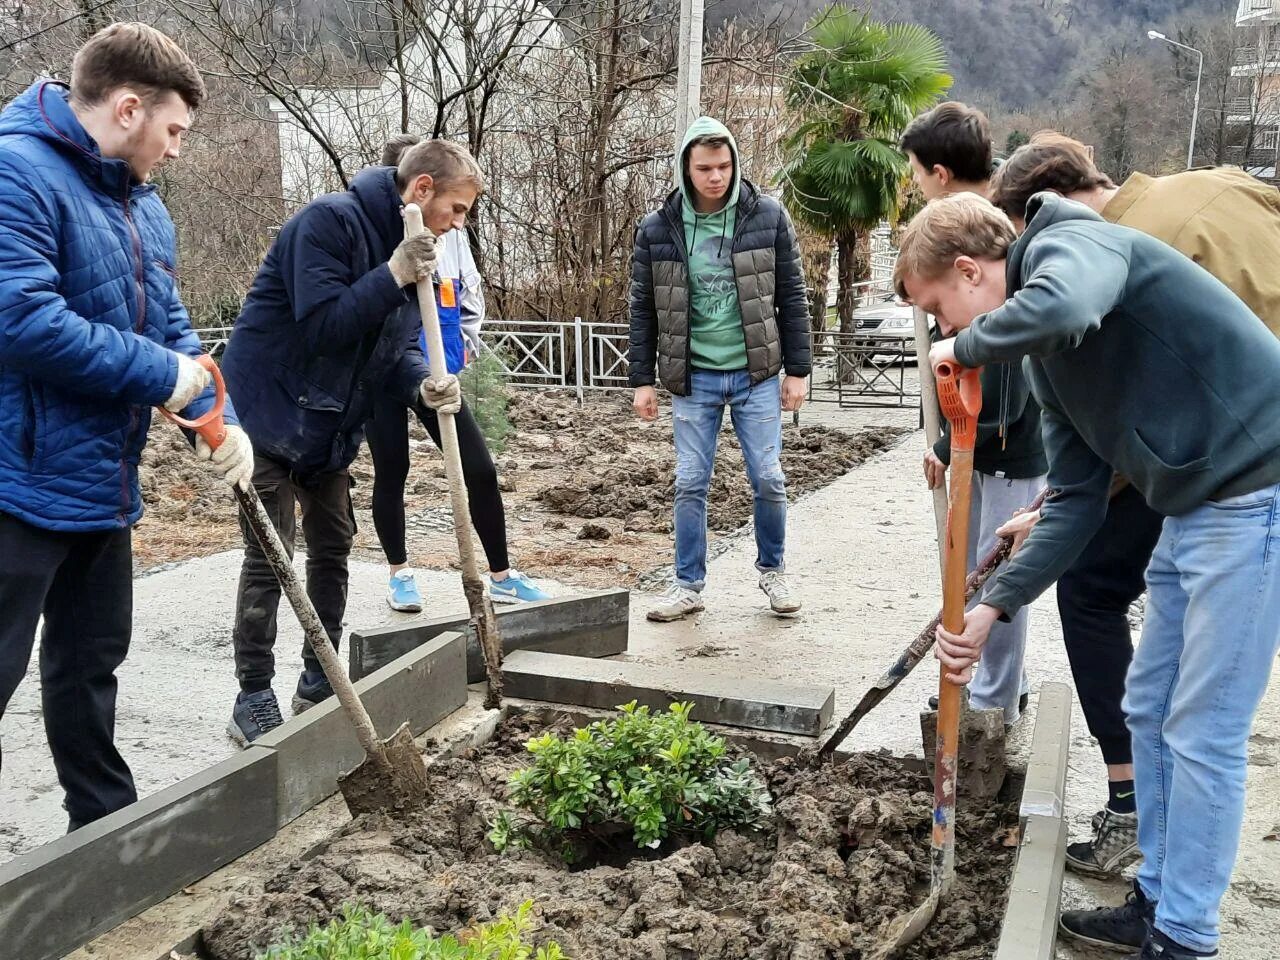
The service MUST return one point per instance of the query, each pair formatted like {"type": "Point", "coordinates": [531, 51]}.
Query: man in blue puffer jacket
{"type": "Point", "coordinates": [92, 335]}
{"type": "Point", "coordinates": [321, 333]}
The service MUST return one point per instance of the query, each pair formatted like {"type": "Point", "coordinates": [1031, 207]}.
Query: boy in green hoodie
{"type": "Point", "coordinates": [718, 311]}
{"type": "Point", "coordinates": [1146, 365]}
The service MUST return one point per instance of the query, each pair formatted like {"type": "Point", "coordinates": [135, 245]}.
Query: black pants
{"type": "Point", "coordinates": [388, 436]}
{"type": "Point", "coordinates": [328, 527]}
{"type": "Point", "coordinates": [1093, 601]}
{"type": "Point", "coordinates": [83, 585]}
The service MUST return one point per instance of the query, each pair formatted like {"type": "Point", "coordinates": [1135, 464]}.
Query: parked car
{"type": "Point", "coordinates": [890, 324]}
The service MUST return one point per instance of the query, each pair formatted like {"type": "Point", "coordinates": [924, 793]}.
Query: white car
{"type": "Point", "coordinates": [890, 323]}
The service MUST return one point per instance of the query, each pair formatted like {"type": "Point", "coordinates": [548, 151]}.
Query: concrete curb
{"type": "Point", "coordinates": [63, 894]}
{"type": "Point", "coordinates": [594, 624]}
{"type": "Point", "coordinates": [66, 892]}
{"type": "Point", "coordinates": [717, 698]}
{"type": "Point", "coordinates": [1030, 929]}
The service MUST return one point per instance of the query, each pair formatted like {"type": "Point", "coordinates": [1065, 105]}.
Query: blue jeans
{"type": "Point", "coordinates": [1210, 638]}
{"type": "Point", "coordinates": [756, 412]}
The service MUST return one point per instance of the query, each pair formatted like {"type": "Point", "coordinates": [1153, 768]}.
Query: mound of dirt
{"type": "Point", "coordinates": [625, 470]}
{"type": "Point", "coordinates": [848, 851]}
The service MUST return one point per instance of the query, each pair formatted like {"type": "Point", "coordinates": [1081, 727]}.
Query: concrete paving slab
{"type": "Point", "coordinates": [67, 891]}
{"type": "Point", "coordinates": [717, 697]}
{"type": "Point", "coordinates": [314, 749]}
{"type": "Point", "coordinates": [592, 624]}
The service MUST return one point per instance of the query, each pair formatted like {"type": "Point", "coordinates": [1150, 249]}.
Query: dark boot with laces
{"type": "Point", "coordinates": [253, 715]}
{"type": "Point", "coordinates": [1126, 927]}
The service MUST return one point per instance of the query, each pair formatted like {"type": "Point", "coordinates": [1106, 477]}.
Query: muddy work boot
{"type": "Point", "coordinates": [253, 715]}
{"type": "Point", "coordinates": [1113, 847]}
{"type": "Point", "coordinates": [1126, 927]}
{"type": "Point", "coordinates": [313, 688]}
{"type": "Point", "coordinates": [677, 603]}
{"type": "Point", "coordinates": [781, 600]}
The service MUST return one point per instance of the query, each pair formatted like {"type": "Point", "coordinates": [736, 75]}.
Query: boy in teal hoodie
{"type": "Point", "coordinates": [718, 311]}
{"type": "Point", "coordinates": [1146, 365]}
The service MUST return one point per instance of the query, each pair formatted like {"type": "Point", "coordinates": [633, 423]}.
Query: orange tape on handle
{"type": "Point", "coordinates": [960, 396]}
{"type": "Point", "coordinates": [209, 424]}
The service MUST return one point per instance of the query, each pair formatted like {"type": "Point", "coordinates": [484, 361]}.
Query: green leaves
{"type": "Point", "coordinates": [360, 935]}
{"type": "Point", "coordinates": [852, 96]}
{"type": "Point", "coordinates": [656, 774]}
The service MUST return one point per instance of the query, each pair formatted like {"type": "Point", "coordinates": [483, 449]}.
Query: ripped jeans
{"type": "Point", "coordinates": [756, 412]}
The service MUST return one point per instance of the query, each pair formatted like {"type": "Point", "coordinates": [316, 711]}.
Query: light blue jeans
{"type": "Point", "coordinates": [756, 412]}
{"type": "Point", "coordinates": [1210, 639]}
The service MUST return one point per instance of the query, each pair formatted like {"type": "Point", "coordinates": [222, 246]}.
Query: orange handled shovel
{"type": "Point", "coordinates": [960, 395]}
{"type": "Point", "coordinates": [392, 776]}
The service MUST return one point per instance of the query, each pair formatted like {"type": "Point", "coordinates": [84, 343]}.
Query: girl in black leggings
{"type": "Point", "coordinates": [388, 436]}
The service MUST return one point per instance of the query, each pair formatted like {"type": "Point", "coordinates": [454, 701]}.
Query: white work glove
{"type": "Point", "coordinates": [414, 259]}
{"type": "Point", "coordinates": [442, 396]}
{"type": "Point", "coordinates": [193, 380]}
{"type": "Point", "coordinates": [233, 460]}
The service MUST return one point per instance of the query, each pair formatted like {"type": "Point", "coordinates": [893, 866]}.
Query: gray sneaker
{"type": "Point", "coordinates": [1113, 847]}
{"type": "Point", "coordinates": [781, 600]}
{"type": "Point", "coordinates": [677, 603]}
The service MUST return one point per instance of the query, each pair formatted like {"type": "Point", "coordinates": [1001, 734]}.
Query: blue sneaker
{"type": "Point", "coordinates": [517, 588]}
{"type": "Point", "coordinates": [313, 688]}
{"type": "Point", "coordinates": [403, 595]}
{"type": "Point", "coordinates": [253, 715]}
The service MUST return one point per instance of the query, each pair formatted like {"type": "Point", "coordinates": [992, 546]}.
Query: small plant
{"type": "Point", "coordinates": [658, 775]}
{"type": "Point", "coordinates": [484, 384]}
{"type": "Point", "coordinates": [360, 935]}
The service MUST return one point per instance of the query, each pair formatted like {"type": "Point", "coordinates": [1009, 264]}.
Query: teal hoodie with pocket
{"type": "Point", "coordinates": [1143, 363]}
{"type": "Point", "coordinates": [717, 340]}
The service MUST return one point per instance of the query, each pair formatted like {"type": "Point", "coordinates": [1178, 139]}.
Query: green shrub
{"type": "Point", "coordinates": [484, 384]}
{"type": "Point", "coordinates": [360, 935]}
{"type": "Point", "coordinates": [659, 775]}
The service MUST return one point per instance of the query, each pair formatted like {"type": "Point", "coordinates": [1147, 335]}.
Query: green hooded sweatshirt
{"type": "Point", "coordinates": [717, 341]}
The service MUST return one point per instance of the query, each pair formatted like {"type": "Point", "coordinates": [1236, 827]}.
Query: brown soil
{"type": "Point", "coordinates": [587, 491]}
{"type": "Point", "coordinates": [848, 851]}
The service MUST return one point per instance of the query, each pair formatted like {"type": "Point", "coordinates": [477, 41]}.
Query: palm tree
{"type": "Point", "coordinates": [852, 95]}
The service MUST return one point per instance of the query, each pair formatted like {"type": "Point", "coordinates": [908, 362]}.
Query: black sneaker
{"type": "Point", "coordinates": [313, 688]}
{"type": "Point", "coordinates": [1113, 928]}
{"type": "Point", "coordinates": [1160, 947]}
{"type": "Point", "coordinates": [1113, 846]}
{"type": "Point", "coordinates": [253, 715]}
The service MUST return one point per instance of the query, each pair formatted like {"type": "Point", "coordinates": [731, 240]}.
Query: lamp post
{"type": "Point", "coordinates": [1195, 111]}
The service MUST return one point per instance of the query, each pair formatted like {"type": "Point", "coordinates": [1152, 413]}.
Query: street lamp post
{"type": "Point", "coordinates": [1195, 110]}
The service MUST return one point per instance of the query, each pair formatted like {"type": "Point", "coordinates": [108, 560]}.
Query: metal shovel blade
{"type": "Point", "coordinates": [395, 781]}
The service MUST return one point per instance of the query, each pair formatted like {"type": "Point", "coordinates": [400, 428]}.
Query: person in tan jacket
{"type": "Point", "coordinates": [1229, 223]}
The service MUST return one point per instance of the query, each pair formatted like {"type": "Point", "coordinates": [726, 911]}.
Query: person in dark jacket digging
{"type": "Point", "coordinates": [1146, 365]}
{"type": "Point", "coordinates": [93, 334]}
{"type": "Point", "coordinates": [950, 151]}
{"type": "Point", "coordinates": [321, 333]}
{"type": "Point", "coordinates": [718, 311]}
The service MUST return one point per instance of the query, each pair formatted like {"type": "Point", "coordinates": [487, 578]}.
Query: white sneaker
{"type": "Point", "coordinates": [676, 604]}
{"type": "Point", "coordinates": [781, 600]}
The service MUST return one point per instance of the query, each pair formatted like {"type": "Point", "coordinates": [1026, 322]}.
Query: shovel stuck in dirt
{"type": "Point", "coordinates": [392, 776]}
{"type": "Point", "coordinates": [478, 602]}
{"type": "Point", "coordinates": [960, 395]}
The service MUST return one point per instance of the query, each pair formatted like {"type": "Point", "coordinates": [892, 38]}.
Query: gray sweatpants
{"type": "Point", "coordinates": [1000, 677]}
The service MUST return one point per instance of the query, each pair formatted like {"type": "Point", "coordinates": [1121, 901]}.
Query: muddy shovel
{"type": "Point", "coordinates": [392, 776]}
{"type": "Point", "coordinates": [960, 395]}
{"type": "Point", "coordinates": [478, 602]}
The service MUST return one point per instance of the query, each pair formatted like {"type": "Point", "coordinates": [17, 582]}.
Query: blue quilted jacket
{"type": "Point", "coordinates": [89, 315]}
